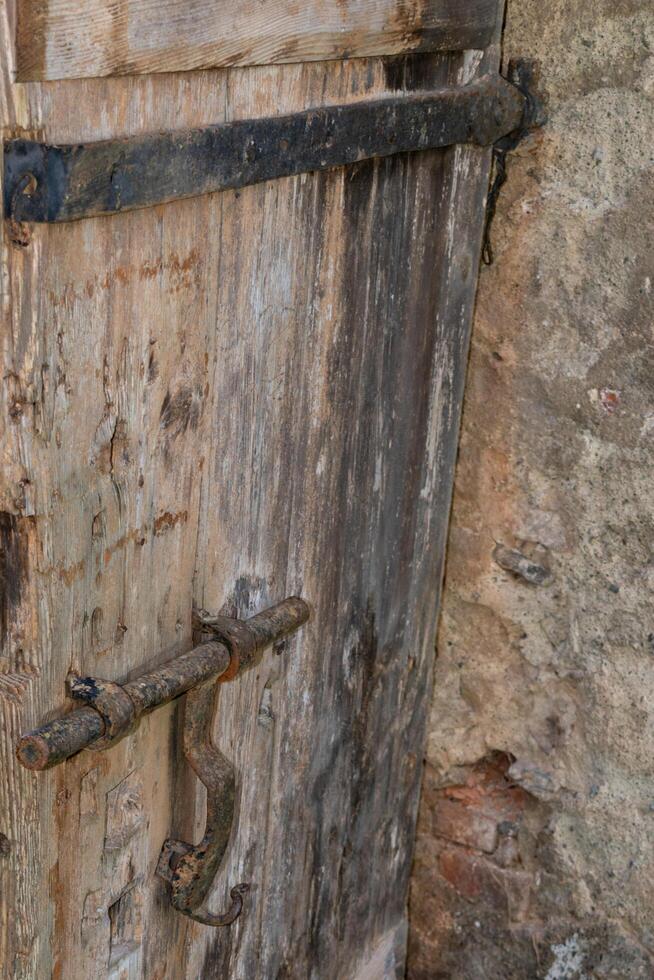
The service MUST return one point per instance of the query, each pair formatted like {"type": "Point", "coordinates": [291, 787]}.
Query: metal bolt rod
{"type": "Point", "coordinates": [62, 738]}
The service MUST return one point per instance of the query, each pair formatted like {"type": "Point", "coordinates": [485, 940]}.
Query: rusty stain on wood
{"type": "Point", "coordinates": [167, 521]}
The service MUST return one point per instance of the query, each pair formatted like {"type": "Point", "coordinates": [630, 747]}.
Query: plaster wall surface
{"type": "Point", "coordinates": [535, 852]}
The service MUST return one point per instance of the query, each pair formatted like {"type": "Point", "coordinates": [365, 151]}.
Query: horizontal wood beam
{"type": "Point", "coordinates": [84, 38]}
{"type": "Point", "coordinates": [60, 183]}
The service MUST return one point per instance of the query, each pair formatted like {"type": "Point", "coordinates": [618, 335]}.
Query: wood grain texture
{"type": "Point", "coordinates": [82, 38]}
{"type": "Point", "coordinates": [221, 401]}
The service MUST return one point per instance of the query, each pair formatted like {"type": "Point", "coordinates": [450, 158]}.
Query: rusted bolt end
{"type": "Point", "coordinates": [33, 752]}
{"type": "Point", "coordinates": [300, 608]}
{"type": "Point", "coordinates": [247, 639]}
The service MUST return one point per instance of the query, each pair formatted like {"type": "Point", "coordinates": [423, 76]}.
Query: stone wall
{"type": "Point", "coordinates": [535, 853]}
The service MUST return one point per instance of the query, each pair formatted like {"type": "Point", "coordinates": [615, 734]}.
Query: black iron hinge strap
{"type": "Point", "coordinates": [44, 182]}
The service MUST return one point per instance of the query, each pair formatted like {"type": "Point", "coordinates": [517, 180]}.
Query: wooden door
{"type": "Point", "coordinates": [214, 403]}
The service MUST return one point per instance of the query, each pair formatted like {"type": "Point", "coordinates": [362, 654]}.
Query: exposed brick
{"type": "Point", "coordinates": [464, 825]}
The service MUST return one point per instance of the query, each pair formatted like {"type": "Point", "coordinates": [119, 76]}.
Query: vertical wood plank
{"type": "Point", "coordinates": [347, 389]}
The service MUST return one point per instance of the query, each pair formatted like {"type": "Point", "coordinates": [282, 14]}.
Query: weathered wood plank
{"type": "Point", "coordinates": [349, 387]}
{"type": "Point", "coordinates": [224, 400]}
{"type": "Point", "coordinates": [82, 38]}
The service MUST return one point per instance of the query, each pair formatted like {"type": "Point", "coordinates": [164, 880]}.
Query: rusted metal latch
{"type": "Point", "coordinates": [113, 710]}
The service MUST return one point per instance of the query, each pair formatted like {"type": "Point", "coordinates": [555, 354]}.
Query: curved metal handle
{"type": "Point", "coordinates": [190, 869]}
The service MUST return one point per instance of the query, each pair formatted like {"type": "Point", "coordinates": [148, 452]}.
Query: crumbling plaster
{"type": "Point", "coordinates": [543, 703]}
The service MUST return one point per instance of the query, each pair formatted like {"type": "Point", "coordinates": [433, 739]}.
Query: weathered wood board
{"type": "Point", "coordinates": [79, 38]}
{"type": "Point", "coordinates": [222, 401]}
